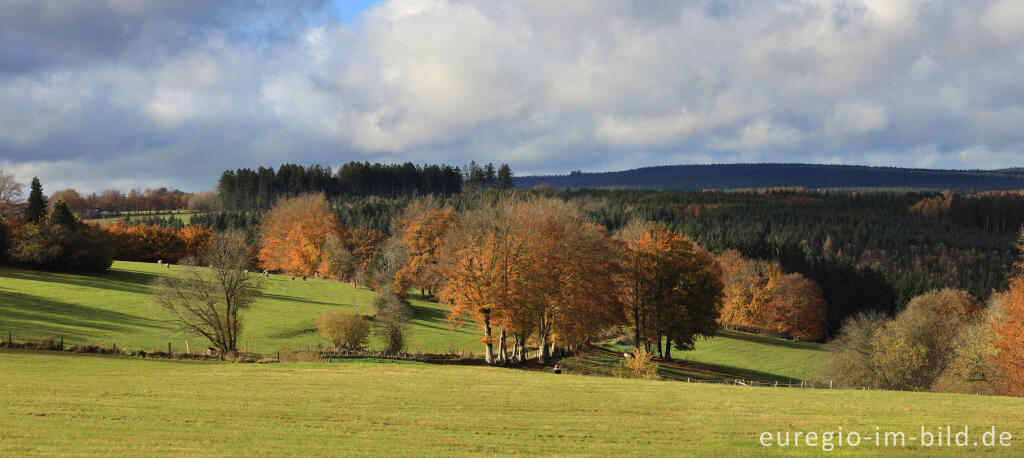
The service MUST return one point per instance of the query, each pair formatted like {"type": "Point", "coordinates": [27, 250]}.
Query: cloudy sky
{"type": "Point", "coordinates": [122, 93]}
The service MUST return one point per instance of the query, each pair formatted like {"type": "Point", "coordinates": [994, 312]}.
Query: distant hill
{"type": "Point", "coordinates": [810, 176]}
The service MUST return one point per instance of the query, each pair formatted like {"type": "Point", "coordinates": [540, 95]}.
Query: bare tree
{"type": "Point", "coordinates": [10, 192]}
{"type": "Point", "coordinates": [393, 315]}
{"type": "Point", "coordinates": [208, 301]}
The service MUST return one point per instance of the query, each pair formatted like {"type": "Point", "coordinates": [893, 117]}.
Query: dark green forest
{"type": "Point", "coordinates": [758, 176]}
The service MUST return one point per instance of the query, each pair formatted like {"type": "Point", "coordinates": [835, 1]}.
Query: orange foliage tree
{"type": "Point", "coordinates": [143, 242]}
{"type": "Point", "coordinates": [1008, 331]}
{"type": "Point", "coordinates": [798, 307]}
{"type": "Point", "coordinates": [759, 296]}
{"type": "Point", "coordinates": [422, 230]}
{"type": "Point", "coordinates": [534, 267]}
{"type": "Point", "coordinates": [294, 233]}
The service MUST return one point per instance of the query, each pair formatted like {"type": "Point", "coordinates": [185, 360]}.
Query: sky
{"type": "Point", "coordinates": [98, 94]}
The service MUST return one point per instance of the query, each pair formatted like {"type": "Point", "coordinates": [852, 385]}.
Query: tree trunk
{"type": "Point", "coordinates": [488, 346]}
{"type": "Point", "coordinates": [659, 346]}
{"type": "Point", "coordinates": [502, 354]}
{"type": "Point", "coordinates": [668, 347]}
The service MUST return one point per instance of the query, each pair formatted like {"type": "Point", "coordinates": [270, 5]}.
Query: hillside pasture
{"type": "Point", "coordinates": [100, 308]}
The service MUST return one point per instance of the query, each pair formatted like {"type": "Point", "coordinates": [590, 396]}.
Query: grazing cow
{"type": "Point", "coordinates": [266, 273]}
{"type": "Point", "coordinates": [293, 278]}
{"type": "Point", "coordinates": [303, 278]}
{"type": "Point", "coordinates": [627, 355]}
{"type": "Point", "coordinates": [159, 262]}
{"type": "Point", "coordinates": [167, 266]}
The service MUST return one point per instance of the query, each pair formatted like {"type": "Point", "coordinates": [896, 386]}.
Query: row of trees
{"type": "Point", "coordinates": [149, 243]}
{"type": "Point", "coordinates": [247, 189]}
{"type": "Point", "coordinates": [113, 201]}
{"type": "Point", "coordinates": [530, 271]}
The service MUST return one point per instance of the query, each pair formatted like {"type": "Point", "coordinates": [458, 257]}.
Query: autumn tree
{"type": "Point", "coordinates": [564, 274]}
{"type": "Point", "coordinates": [798, 307]}
{"type": "Point", "coordinates": [294, 232]}
{"type": "Point", "coordinates": [210, 302]}
{"type": "Point", "coordinates": [422, 228]}
{"type": "Point", "coordinates": [684, 289]}
{"type": "Point", "coordinates": [758, 295]}
{"type": "Point", "coordinates": [74, 200]}
{"type": "Point", "coordinates": [470, 265]}
{"type": "Point", "coordinates": [1008, 329]}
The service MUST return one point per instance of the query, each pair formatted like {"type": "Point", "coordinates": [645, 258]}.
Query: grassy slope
{"type": "Point", "coordinates": [97, 309]}
{"type": "Point", "coordinates": [113, 406]}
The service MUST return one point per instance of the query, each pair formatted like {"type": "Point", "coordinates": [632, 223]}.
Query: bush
{"type": "Point", "coordinates": [641, 366]}
{"type": "Point", "coordinates": [348, 330]}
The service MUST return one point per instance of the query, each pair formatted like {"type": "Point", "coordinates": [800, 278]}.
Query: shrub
{"type": "Point", "coordinates": [641, 366]}
{"type": "Point", "coordinates": [348, 330]}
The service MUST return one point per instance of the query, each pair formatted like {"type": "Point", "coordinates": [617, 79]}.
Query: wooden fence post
{"type": "Point", "coordinates": [115, 344]}
{"type": "Point", "coordinates": [187, 350]}
{"type": "Point", "coordinates": [168, 349]}
{"type": "Point", "coordinates": [61, 342]}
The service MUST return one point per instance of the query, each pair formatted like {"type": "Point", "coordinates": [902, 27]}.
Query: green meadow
{"type": "Point", "coordinates": [96, 309]}
{"type": "Point", "coordinates": [55, 403]}
{"type": "Point", "coordinates": [114, 305]}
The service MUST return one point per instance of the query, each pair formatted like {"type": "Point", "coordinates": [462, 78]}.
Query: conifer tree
{"type": "Point", "coordinates": [36, 208]}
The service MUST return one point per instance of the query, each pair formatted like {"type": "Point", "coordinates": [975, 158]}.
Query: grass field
{"type": "Point", "coordinates": [756, 357]}
{"type": "Point", "coordinates": [61, 404]}
{"type": "Point", "coordinates": [184, 215]}
{"type": "Point", "coordinates": [99, 308]}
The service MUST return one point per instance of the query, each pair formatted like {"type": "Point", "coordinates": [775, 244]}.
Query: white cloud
{"type": "Point", "coordinates": [546, 86]}
{"type": "Point", "coordinates": [853, 118]}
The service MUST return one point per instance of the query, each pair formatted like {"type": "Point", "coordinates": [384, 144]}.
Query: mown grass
{"type": "Point", "coordinates": [68, 404]}
{"type": "Point", "coordinates": [100, 308]}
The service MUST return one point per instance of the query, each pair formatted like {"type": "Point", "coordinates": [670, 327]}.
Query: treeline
{"type": "Point", "coordinates": [113, 201]}
{"type": "Point", "coordinates": [247, 189]}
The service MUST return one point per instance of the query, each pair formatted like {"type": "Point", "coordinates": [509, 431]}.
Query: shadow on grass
{"type": "Point", "coordinates": [36, 316]}
{"type": "Point", "coordinates": [766, 340]}
{"type": "Point", "coordinates": [680, 370]}
{"type": "Point", "coordinates": [113, 280]}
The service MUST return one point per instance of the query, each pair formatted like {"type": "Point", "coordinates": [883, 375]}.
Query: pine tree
{"type": "Point", "coordinates": [36, 209]}
{"type": "Point", "coordinates": [505, 177]}
{"type": "Point", "coordinates": [62, 215]}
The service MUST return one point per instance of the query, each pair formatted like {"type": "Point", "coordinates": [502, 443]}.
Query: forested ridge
{"type": "Point", "coordinates": [814, 176]}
